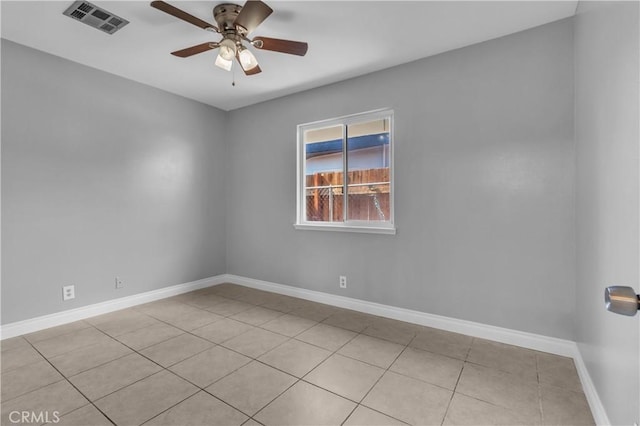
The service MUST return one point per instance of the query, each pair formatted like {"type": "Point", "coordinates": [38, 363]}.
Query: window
{"type": "Point", "coordinates": [345, 173]}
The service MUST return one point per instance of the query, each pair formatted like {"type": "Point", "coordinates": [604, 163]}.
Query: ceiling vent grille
{"type": "Point", "coordinates": [85, 7]}
{"type": "Point", "coordinates": [95, 17]}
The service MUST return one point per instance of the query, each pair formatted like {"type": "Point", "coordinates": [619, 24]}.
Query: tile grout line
{"type": "Point", "coordinates": [323, 322]}
{"type": "Point", "coordinates": [130, 384]}
{"type": "Point", "coordinates": [453, 393]}
{"type": "Point", "coordinates": [97, 365]}
{"type": "Point", "coordinates": [540, 407]}
{"type": "Point", "coordinates": [260, 326]}
{"type": "Point", "coordinates": [361, 332]}
{"type": "Point", "coordinates": [58, 335]}
{"type": "Point", "coordinates": [228, 374]}
{"type": "Point", "coordinates": [508, 373]}
{"type": "Point", "coordinates": [301, 379]}
{"type": "Point", "coordinates": [200, 389]}
{"type": "Point", "coordinates": [162, 369]}
{"type": "Point", "coordinates": [169, 408]}
{"type": "Point", "coordinates": [359, 403]}
{"type": "Point", "coordinates": [72, 385]}
{"type": "Point", "coordinates": [335, 352]}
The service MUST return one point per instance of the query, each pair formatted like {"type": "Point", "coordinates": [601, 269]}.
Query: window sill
{"type": "Point", "coordinates": [345, 228]}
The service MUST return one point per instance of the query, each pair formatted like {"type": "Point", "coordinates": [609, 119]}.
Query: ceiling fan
{"type": "Point", "coordinates": [235, 23]}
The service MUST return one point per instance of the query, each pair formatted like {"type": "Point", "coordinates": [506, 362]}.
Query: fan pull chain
{"type": "Point", "coordinates": [233, 77]}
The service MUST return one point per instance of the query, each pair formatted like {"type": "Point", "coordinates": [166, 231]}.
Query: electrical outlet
{"type": "Point", "coordinates": [343, 281]}
{"type": "Point", "coordinates": [68, 292]}
{"type": "Point", "coordinates": [119, 283]}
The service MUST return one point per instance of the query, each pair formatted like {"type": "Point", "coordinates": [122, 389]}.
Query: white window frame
{"type": "Point", "coordinates": [376, 227]}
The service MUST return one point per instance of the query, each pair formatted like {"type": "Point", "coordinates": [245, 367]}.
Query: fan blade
{"type": "Point", "coordinates": [284, 46]}
{"type": "Point", "coordinates": [252, 14]}
{"type": "Point", "coordinates": [181, 14]}
{"type": "Point", "coordinates": [194, 50]}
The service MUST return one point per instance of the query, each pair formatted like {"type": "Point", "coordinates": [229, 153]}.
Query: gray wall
{"type": "Point", "coordinates": [606, 55]}
{"type": "Point", "coordinates": [105, 177]}
{"type": "Point", "coordinates": [101, 177]}
{"type": "Point", "coordinates": [484, 187]}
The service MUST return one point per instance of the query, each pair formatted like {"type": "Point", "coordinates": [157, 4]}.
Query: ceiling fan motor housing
{"type": "Point", "coordinates": [225, 15]}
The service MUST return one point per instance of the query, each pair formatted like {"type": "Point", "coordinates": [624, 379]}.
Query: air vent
{"type": "Point", "coordinates": [101, 15]}
{"type": "Point", "coordinates": [115, 21]}
{"type": "Point", "coordinates": [95, 17]}
{"type": "Point", "coordinates": [85, 7]}
{"type": "Point", "coordinates": [77, 14]}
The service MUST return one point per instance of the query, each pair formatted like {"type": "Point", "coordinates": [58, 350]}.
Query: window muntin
{"type": "Point", "coordinates": [362, 146]}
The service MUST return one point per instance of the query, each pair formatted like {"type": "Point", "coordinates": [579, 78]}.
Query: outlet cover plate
{"type": "Point", "coordinates": [343, 281]}
{"type": "Point", "coordinates": [68, 292]}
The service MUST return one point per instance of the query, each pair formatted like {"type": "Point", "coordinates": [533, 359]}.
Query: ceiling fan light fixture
{"type": "Point", "coordinates": [223, 63]}
{"type": "Point", "coordinates": [234, 24]}
{"type": "Point", "coordinates": [227, 49]}
{"type": "Point", "coordinates": [247, 60]}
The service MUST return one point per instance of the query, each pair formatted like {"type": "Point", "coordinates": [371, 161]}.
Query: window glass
{"type": "Point", "coordinates": [324, 181]}
{"type": "Point", "coordinates": [368, 176]}
{"type": "Point", "coordinates": [345, 168]}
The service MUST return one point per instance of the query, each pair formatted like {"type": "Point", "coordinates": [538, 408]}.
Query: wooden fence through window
{"type": "Point", "coordinates": [368, 192]}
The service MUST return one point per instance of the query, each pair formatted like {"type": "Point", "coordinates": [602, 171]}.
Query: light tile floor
{"type": "Point", "coordinates": [231, 355]}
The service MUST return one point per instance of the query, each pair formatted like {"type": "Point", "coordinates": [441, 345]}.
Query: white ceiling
{"type": "Point", "coordinates": [346, 39]}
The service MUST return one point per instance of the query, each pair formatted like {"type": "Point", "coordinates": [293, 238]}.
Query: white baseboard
{"type": "Point", "coordinates": [513, 337]}
{"type": "Point", "coordinates": [40, 323]}
{"type": "Point", "coordinates": [595, 403]}
{"type": "Point", "coordinates": [504, 335]}
{"type": "Point", "coordinates": [470, 328]}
